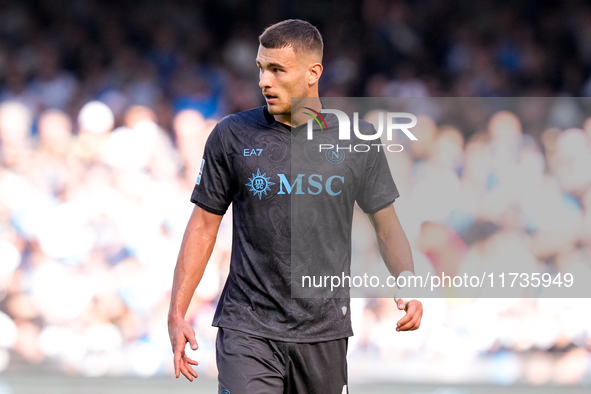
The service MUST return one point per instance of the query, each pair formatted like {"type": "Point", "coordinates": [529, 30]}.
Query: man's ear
{"type": "Point", "coordinates": [314, 73]}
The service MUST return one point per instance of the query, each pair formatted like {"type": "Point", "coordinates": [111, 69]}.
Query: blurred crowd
{"type": "Point", "coordinates": [497, 201]}
{"type": "Point", "coordinates": [91, 222]}
{"type": "Point", "coordinates": [105, 108]}
{"type": "Point", "coordinates": [200, 54]}
{"type": "Point", "coordinates": [90, 225]}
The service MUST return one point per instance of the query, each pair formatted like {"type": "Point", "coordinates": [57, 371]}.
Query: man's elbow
{"type": "Point", "coordinates": [204, 224]}
{"type": "Point", "coordinates": [205, 231]}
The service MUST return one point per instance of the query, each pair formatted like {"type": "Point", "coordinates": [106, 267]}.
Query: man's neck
{"type": "Point", "coordinates": [284, 118]}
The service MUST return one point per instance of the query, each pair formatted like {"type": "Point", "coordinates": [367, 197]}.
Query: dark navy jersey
{"type": "Point", "coordinates": [292, 216]}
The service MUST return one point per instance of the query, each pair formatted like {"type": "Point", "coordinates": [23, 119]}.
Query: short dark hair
{"type": "Point", "coordinates": [302, 36]}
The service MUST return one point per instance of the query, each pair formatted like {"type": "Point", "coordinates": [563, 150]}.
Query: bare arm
{"type": "Point", "coordinates": [392, 241]}
{"type": "Point", "coordinates": [196, 247]}
{"type": "Point", "coordinates": [395, 251]}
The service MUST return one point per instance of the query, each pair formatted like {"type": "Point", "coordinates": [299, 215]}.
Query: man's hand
{"type": "Point", "coordinates": [196, 248]}
{"type": "Point", "coordinates": [414, 313]}
{"type": "Point", "coordinates": [180, 333]}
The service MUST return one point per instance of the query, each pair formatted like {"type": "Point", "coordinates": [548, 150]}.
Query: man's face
{"type": "Point", "coordinates": [281, 76]}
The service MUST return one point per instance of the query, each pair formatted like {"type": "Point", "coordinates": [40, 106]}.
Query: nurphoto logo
{"type": "Point", "coordinates": [391, 120]}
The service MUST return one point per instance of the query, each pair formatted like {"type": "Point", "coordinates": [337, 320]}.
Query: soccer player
{"type": "Point", "coordinates": [268, 341]}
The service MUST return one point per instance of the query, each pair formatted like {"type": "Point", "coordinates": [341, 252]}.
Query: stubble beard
{"type": "Point", "coordinates": [292, 102]}
{"type": "Point", "coordinates": [276, 110]}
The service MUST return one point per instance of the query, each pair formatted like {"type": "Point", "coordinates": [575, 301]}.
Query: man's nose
{"type": "Point", "coordinates": [264, 80]}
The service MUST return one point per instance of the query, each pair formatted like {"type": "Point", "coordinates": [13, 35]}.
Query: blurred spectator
{"type": "Point", "coordinates": [54, 86]}
{"type": "Point", "coordinates": [95, 122]}
{"type": "Point", "coordinates": [191, 131]}
{"type": "Point", "coordinates": [55, 132]}
{"type": "Point", "coordinates": [15, 126]}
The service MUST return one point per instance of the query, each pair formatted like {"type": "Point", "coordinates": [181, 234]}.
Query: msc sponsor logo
{"type": "Point", "coordinates": [313, 184]}
{"type": "Point", "coordinates": [259, 184]}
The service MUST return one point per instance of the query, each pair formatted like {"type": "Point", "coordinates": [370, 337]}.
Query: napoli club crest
{"type": "Point", "coordinates": [335, 156]}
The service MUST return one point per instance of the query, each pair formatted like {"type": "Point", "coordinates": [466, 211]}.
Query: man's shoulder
{"type": "Point", "coordinates": [252, 117]}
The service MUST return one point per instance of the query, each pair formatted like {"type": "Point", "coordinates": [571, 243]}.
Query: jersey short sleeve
{"type": "Point", "coordinates": [378, 189]}
{"type": "Point", "coordinates": [213, 188]}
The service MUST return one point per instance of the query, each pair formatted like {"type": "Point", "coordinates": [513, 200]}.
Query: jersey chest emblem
{"type": "Point", "coordinates": [259, 184]}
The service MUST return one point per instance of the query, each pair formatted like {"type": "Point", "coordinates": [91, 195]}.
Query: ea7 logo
{"type": "Point", "coordinates": [391, 125]}
{"type": "Point", "coordinates": [252, 152]}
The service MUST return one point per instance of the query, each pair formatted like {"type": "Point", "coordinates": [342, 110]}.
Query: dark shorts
{"type": "Point", "coordinates": [251, 364]}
